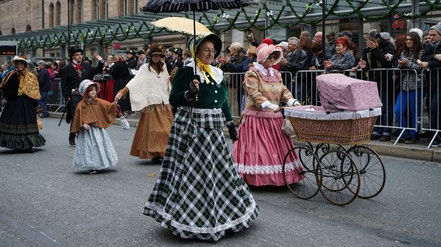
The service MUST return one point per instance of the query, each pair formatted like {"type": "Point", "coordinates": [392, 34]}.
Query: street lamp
{"type": "Point", "coordinates": [68, 24]}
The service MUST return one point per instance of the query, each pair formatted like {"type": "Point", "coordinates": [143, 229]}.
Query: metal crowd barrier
{"type": "Point", "coordinates": [236, 92]}
{"type": "Point", "coordinates": [55, 100]}
{"type": "Point", "coordinates": [431, 92]}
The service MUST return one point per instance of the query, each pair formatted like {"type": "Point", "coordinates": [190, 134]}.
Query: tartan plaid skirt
{"type": "Point", "coordinates": [199, 193]}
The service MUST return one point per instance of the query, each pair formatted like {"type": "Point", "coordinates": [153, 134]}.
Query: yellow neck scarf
{"type": "Point", "coordinates": [205, 69]}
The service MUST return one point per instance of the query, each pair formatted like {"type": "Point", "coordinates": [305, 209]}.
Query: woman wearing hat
{"type": "Point", "coordinates": [18, 121]}
{"type": "Point", "coordinates": [149, 93]}
{"type": "Point", "coordinates": [262, 144]}
{"type": "Point", "coordinates": [199, 193]}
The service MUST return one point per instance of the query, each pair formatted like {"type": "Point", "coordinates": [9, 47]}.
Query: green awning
{"type": "Point", "coordinates": [285, 13]}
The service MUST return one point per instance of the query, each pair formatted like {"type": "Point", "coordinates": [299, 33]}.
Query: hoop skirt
{"type": "Point", "coordinates": [18, 125]}
{"type": "Point", "coordinates": [199, 193]}
{"type": "Point", "coordinates": [261, 148]}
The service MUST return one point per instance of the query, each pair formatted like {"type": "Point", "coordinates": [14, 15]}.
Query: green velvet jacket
{"type": "Point", "coordinates": [211, 95]}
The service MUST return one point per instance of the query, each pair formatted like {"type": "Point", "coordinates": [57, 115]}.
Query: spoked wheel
{"type": "Point", "coordinates": [307, 187]}
{"type": "Point", "coordinates": [371, 169]}
{"type": "Point", "coordinates": [338, 177]}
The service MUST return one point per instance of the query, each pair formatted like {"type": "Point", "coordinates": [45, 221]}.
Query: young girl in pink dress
{"type": "Point", "coordinates": [262, 144]}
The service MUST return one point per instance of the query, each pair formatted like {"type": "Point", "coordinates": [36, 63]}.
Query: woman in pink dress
{"type": "Point", "coordinates": [262, 145]}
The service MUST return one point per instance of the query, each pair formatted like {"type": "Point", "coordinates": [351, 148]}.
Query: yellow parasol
{"type": "Point", "coordinates": [181, 25]}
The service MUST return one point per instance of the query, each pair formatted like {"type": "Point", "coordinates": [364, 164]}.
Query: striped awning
{"type": "Point", "coordinates": [161, 6]}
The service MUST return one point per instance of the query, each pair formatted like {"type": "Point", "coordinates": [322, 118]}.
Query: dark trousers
{"type": "Point", "coordinates": [71, 107]}
{"type": "Point", "coordinates": [435, 111]}
{"type": "Point", "coordinates": [42, 101]}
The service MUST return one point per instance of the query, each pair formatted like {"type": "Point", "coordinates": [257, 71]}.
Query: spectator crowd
{"type": "Point", "coordinates": [414, 50]}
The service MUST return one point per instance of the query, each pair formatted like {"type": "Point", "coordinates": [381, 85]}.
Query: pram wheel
{"type": "Point", "coordinates": [307, 187]}
{"type": "Point", "coordinates": [371, 169]}
{"type": "Point", "coordinates": [338, 177]}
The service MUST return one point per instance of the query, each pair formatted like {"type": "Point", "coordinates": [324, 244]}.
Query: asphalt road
{"type": "Point", "coordinates": [45, 202]}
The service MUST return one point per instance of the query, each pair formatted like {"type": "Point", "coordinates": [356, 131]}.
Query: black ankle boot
{"type": "Point", "coordinates": [72, 139]}
{"type": "Point", "coordinates": [157, 160]}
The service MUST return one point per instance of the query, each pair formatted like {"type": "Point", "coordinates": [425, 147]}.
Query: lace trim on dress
{"type": "Point", "coordinates": [211, 230]}
{"type": "Point", "coordinates": [267, 169]}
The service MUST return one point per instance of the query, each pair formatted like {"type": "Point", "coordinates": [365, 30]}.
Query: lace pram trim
{"type": "Point", "coordinates": [318, 113]}
{"type": "Point", "coordinates": [267, 169]}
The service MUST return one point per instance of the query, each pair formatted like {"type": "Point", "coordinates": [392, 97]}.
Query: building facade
{"type": "Point", "coordinates": [30, 15]}
{"type": "Point", "coordinates": [20, 16]}
{"type": "Point", "coordinates": [26, 15]}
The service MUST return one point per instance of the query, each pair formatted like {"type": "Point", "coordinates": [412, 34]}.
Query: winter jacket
{"type": "Point", "coordinates": [343, 61]}
{"type": "Point", "coordinates": [409, 79]}
{"type": "Point", "coordinates": [44, 80]}
{"type": "Point", "coordinates": [296, 60]}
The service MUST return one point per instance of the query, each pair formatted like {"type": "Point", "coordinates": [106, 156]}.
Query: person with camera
{"type": "Point", "coordinates": [378, 54]}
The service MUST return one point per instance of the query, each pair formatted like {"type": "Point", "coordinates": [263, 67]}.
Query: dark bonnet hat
{"type": "Point", "coordinates": [156, 49]}
{"type": "Point", "coordinates": [213, 38]}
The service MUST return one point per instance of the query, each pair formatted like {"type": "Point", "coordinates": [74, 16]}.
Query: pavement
{"type": "Point", "coordinates": [44, 201]}
{"type": "Point", "coordinates": [418, 151]}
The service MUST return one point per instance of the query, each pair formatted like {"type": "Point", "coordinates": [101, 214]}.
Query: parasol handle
{"type": "Point", "coordinates": [196, 77]}
{"type": "Point", "coordinates": [194, 46]}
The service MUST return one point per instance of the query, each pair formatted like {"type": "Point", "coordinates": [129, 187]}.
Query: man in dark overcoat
{"type": "Point", "coordinates": [71, 77]}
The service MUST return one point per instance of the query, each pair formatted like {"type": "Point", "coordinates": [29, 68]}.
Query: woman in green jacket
{"type": "Point", "coordinates": [199, 193]}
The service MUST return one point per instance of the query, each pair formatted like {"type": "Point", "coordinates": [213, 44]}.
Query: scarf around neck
{"type": "Point", "coordinates": [205, 69]}
{"type": "Point", "coordinates": [77, 66]}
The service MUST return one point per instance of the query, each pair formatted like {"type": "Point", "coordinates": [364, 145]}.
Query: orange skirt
{"type": "Point", "coordinates": [152, 132]}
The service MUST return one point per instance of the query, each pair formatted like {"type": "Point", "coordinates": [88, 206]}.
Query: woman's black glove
{"type": "Point", "coordinates": [232, 131]}
{"type": "Point", "coordinates": [191, 94]}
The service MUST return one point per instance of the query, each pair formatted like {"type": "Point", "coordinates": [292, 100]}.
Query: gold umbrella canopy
{"type": "Point", "coordinates": [181, 25]}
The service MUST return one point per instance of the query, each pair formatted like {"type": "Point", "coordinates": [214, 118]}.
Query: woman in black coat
{"type": "Point", "coordinates": [121, 76]}
{"type": "Point", "coordinates": [18, 122]}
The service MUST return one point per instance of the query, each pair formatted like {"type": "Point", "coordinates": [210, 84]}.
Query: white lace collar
{"type": "Point", "coordinates": [217, 73]}
{"type": "Point", "coordinates": [262, 69]}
